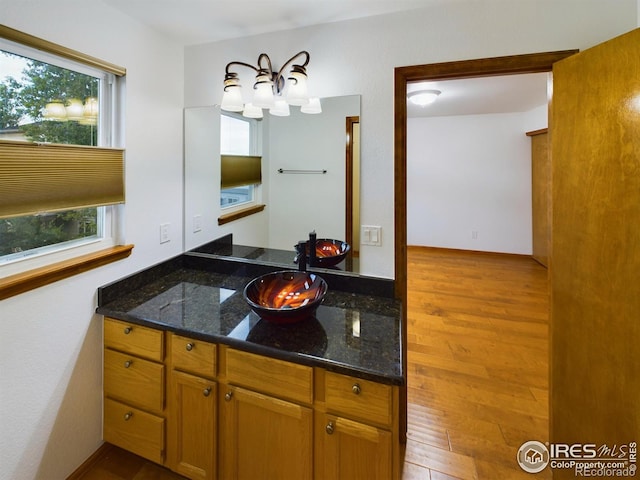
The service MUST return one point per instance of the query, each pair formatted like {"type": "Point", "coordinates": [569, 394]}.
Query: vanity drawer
{"type": "Point", "coordinates": [134, 380]}
{"type": "Point", "coordinates": [134, 430]}
{"type": "Point", "coordinates": [127, 337]}
{"type": "Point", "coordinates": [193, 356]}
{"type": "Point", "coordinates": [271, 376]}
{"type": "Point", "coordinates": [358, 398]}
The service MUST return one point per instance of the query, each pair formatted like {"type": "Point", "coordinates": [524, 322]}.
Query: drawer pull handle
{"type": "Point", "coordinates": [128, 363]}
{"type": "Point", "coordinates": [127, 330]}
{"type": "Point", "coordinates": [228, 396]}
{"type": "Point", "coordinates": [207, 391]}
{"type": "Point", "coordinates": [329, 428]}
{"type": "Point", "coordinates": [127, 416]}
{"type": "Point", "coordinates": [190, 347]}
{"type": "Point", "coordinates": [356, 388]}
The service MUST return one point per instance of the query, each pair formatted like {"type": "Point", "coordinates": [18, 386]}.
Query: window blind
{"type": "Point", "coordinates": [38, 177]}
{"type": "Point", "coordinates": [238, 170]}
{"type": "Point", "coordinates": [50, 47]}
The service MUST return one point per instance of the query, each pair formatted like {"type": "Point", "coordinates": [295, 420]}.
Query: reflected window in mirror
{"type": "Point", "coordinates": [240, 161]}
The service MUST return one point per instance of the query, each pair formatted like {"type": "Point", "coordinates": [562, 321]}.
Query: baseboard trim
{"type": "Point", "coordinates": [475, 252]}
{"type": "Point", "coordinates": [90, 462]}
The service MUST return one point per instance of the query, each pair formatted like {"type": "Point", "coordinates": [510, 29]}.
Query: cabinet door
{"type": "Point", "coordinates": [265, 437]}
{"type": "Point", "coordinates": [348, 449]}
{"type": "Point", "coordinates": [192, 426]}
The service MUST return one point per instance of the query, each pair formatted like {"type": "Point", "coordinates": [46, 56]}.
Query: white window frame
{"type": "Point", "coordinates": [108, 135]}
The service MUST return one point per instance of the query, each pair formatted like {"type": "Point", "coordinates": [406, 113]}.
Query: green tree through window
{"type": "Point", "coordinates": [23, 109]}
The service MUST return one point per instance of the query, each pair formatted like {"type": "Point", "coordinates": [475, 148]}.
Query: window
{"type": "Point", "coordinates": [238, 147]}
{"type": "Point", "coordinates": [60, 177]}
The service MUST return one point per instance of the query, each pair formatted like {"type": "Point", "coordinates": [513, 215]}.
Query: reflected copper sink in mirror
{"type": "Point", "coordinates": [286, 296]}
{"type": "Point", "coordinates": [329, 252]}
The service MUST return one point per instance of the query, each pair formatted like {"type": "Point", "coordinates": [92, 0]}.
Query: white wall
{"type": "Point", "coordinates": [359, 57]}
{"type": "Point", "coordinates": [50, 339]}
{"type": "Point", "coordinates": [469, 181]}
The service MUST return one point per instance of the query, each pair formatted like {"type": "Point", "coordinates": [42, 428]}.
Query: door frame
{"type": "Point", "coordinates": [484, 67]}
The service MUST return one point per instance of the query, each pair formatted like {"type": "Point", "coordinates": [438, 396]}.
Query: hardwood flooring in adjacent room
{"type": "Point", "coordinates": [477, 363]}
{"type": "Point", "coordinates": [477, 370]}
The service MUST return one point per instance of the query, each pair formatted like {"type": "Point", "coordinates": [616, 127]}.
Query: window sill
{"type": "Point", "coordinates": [38, 277]}
{"type": "Point", "coordinates": [245, 212]}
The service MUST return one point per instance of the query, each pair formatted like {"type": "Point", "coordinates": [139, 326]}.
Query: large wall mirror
{"type": "Point", "coordinates": [310, 181]}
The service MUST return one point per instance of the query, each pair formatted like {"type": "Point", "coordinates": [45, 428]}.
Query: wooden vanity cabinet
{"type": "Point", "coordinates": [229, 414]}
{"type": "Point", "coordinates": [267, 418]}
{"type": "Point", "coordinates": [192, 408]}
{"type": "Point", "coordinates": [355, 435]}
{"type": "Point", "coordinates": [134, 389]}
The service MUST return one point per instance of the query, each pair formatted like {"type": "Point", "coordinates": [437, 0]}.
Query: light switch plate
{"type": "Point", "coordinates": [371, 235]}
{"type": "Point", "coordinates": [164, 233]}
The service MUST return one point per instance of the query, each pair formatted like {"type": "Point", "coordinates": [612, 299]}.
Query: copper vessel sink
{"type": "Point", "coordinates": [285, 297]}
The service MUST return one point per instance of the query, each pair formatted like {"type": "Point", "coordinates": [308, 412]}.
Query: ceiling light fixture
{"type": "Point", "coordinates": [423, 97]}
{"type": "Point", "coordinates": [270, 90]}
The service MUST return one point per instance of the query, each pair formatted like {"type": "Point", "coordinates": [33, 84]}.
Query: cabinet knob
{"type": "Point", "coordinates": [356, 388]}
{"type": "Point", "coordinates": [127, 330]}
{"type": "Point", "coordinates": [128, 363]}
{"type": "Point", "coordinates": [228, 396]}
{"type": "Point", "coordinates": [329, 428]}
{"type": "Point", "coordinates": [207, 391]}
{"type": "Point", "coordinates": [189, 347]}
{"type": "Point", "coordinates": [127, 416]}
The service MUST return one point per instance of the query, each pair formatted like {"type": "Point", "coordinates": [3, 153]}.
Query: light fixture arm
{"type": "Point", "coordinates": [261, 69]}
{"type": "Point", "coordinates": [296, 68]}
{"type": "Point", "coordinates": [269, 87]}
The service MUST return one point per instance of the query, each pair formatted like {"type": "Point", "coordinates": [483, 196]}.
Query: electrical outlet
{"type": "Point", "coordinates": [164, 233]}
{"type": "Point", "coordinates": [197, 223]}
{"type": "Point", "coordinates": [474, 234]}
{"type": "Point", "coordinates": [371, 235]}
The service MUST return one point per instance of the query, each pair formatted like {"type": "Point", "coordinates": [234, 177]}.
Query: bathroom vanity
{"type": "Point", "coordinates": [196, 381]}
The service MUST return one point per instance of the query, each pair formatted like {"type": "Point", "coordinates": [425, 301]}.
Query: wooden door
{"type": "Point", "coordinates": [349, 449]}
{"type": "Point", "coordinates": [595, 252]}
{"type": "Point", "coordinates": [540, 195]}
{"type": "Point", "coordinates": [264, 437]}
{"type": "Point", "coordinates": [192, 434]}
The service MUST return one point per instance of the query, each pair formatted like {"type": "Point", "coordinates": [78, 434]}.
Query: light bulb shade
{"type": "Point", "coordinates": [263, 95]}
{"type": "Point", "coordinates": [75, 109]}
{"type": "Point", "coordinates": [312, 107]}
{"type": "Point", "coordinates": [423, 97]}
{"type": "Point", "coordinates": [90, 108]}
{"type": "Point", "coordinates": [232, 97]}
{"type": "Point", "coordinates": [280, 108]}
{"type": "Point", "coordinates": [55, 111]}
{"type": "Point", "coordinates": [297, 90]}
{"type": "Point", "coordinates": [251, 111]}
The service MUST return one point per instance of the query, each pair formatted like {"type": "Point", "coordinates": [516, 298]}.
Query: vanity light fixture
{"type": "Point", "coordinates": [75, 110]}
{"type": "Point", "coordinates": [270, 91]}
{"type": "Point", "coordinates": [423, 97]}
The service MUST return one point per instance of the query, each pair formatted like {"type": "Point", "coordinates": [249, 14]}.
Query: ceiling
{"type": "Point", "coordinates": [483, 95]}
{"type": "Point", "coordinates": [191, 22]}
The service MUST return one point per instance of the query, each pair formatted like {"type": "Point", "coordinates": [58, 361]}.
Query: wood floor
{"type": "Point", "coordinates": [477, 370]}
{"type": "Point", "coordinates": [477, 364]}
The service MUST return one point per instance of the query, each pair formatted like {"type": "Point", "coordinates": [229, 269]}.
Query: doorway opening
{"type": "Point", "coordinates": [509, 65]}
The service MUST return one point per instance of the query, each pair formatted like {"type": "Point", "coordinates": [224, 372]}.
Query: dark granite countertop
{"type": "Point", "coordinates": [351, 333]}
{"type": "Point", "coordinates": [224, 247]}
